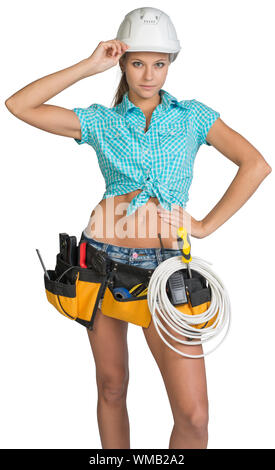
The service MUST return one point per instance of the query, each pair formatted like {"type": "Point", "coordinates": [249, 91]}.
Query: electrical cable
{"type": "Point", "coordinates": [183, 324]}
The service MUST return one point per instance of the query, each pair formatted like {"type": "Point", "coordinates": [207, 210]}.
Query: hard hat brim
{"type": "Point", "coordinates": [152, 49]}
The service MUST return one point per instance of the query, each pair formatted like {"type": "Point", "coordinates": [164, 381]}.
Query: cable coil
{"type": "Point", "coordinates": [184, 324]}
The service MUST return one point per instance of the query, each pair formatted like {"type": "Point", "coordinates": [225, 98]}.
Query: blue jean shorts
{"type": "Point", "coordinates": [148, 258]}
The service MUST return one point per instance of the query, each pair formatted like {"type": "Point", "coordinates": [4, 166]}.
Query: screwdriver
{"type": "Point", "coordinates": [43, 266]}
{"type": "Point", "coordinates": [139, 290]}
{"type": "Point", "coordinates": [185, 245]}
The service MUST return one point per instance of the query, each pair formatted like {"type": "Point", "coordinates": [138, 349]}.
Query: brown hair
{"type": "Point", "coordinates": [123, 84]}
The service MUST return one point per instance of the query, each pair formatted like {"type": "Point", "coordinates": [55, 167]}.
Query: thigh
{"type": "Point", "coordinates": [184, 378]}
{"type": "Point", "coordinates": [108, 341]}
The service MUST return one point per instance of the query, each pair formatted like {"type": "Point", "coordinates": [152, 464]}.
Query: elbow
{"type": "Point", "coordinates": [263, 169]}
{"type": "Point", "coordinates": [13, 108]}
{"type": "Point", "coordinates": [260, 165]}
{"type": "Point", "coordinates": [7, 103]}
{"type": "Point", "coordinates": [10, 106]}
{"type": "Point", "coordinates": [259, 168]}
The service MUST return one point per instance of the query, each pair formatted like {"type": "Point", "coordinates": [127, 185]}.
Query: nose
{"type": "Point", "coordinates": [148, 73]}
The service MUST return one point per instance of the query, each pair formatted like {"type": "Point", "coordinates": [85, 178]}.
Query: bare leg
{"type": "Point", "coordinates": [108, 341]}
{"type": "Point", "coordinates": [185, 382]}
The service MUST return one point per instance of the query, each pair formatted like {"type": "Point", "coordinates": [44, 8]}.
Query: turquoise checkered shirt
{"type": "Point", "coordinates": [159, 161]}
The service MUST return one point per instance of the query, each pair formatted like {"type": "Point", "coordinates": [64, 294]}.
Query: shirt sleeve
{"type": "Point", "coordinates": [87, 118]}
{"type": "Point", "coordinates": [204, 118]}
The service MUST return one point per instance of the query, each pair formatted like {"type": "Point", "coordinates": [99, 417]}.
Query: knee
{"type": "Point", "coordinates": [199, 421]}
{"type": "Point", "coordinates": [113, 388]}
{"type": "Point", "coordinates": [195, 419]}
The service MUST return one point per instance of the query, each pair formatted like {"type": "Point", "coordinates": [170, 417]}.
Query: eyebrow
{"type": "Point", "coordinates": [153, 62]}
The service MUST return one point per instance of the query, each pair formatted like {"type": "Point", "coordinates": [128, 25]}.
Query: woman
{"type": "Point", "coordinates": [146, 146]}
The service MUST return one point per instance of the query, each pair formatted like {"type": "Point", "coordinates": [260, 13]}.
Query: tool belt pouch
{"type": "Point", "coordinates": [75, 291]}
{"type": "Point", "coordinates": [132, 309]}
{"type": "Point", "coordinates": [199, 297]}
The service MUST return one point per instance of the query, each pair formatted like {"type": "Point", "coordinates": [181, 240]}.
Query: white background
{"type": "Point", "coordinates": [50, 185]}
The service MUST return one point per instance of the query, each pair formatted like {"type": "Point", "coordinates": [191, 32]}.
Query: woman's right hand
{"type": "Point", "coordinates": [106, 55]}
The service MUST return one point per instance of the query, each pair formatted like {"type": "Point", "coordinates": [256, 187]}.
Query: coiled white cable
{"type": "Point", "coordinates": [160, 306]}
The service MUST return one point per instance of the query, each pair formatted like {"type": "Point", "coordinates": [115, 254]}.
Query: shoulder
{"type": "Point", "coordinates": [195, 107]}
{"type": "Point", "coordinates": [199, 112]}
{"type": "Point", "coordinates": [94, 108]}
{"type": "Point", "coordinates": [106, 115]}
{"type": "Point", "coordinates": [202, 110]}
{"type": "Point", "coordinates": [98, 114]}
{"type": "Point", "coordinates": [201, 118]}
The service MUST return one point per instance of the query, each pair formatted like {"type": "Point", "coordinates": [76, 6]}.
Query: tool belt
{"type": "Point", "coordinates": [75, 291]}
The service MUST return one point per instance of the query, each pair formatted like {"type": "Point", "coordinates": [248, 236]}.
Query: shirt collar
{"type": "Point", "coordinates": [167, 99]}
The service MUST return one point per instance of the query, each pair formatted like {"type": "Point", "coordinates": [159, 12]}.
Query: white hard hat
{"type": "Point", "coordinates": [149, 29]}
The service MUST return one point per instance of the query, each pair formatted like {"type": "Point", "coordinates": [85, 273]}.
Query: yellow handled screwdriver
{"type": "Point", "coordinates": [138, 290]}
{"type": "Point", "coordinates": [185, 245]}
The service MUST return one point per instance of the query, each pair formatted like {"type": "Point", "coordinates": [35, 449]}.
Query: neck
{"type": "Point", "coordinates": [147, 105]}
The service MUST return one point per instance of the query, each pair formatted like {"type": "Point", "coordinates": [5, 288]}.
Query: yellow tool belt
{"type": "Point", "coordinates": [76, 291]}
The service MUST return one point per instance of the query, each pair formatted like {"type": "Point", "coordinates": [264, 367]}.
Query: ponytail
{"type": "Point", "coordinates": [123, 85]}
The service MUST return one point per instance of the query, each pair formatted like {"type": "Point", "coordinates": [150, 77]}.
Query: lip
{"type": "Point", "coordinates": [147, 87]}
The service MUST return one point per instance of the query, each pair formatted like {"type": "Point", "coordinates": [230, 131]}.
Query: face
{"type": "Point", "coordinates": [145, 69]}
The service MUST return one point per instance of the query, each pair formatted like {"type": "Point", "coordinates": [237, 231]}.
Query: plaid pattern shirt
{"type": "Point", "coordinates": [159, 161]}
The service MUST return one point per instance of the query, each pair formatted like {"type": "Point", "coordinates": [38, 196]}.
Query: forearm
{"type": "Point", "coordinates": [245, 183]}
{"type": "Point", "coordinates": [45, 88]}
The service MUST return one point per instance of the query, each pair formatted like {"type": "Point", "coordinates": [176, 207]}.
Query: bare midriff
{"type": "Point", "coordinates": [109, 224]}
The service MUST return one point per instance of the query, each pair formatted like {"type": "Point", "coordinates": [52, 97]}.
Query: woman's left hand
{"type": "Point", "coordinates": [178, 217]}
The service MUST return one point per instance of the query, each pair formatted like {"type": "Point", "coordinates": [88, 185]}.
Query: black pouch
{"type": "Point", "coordinates": [75, 292]}
{"type": "Point", "coordinates": [132, 309]}
{"type": "Point", "coordinates": [198, 291]}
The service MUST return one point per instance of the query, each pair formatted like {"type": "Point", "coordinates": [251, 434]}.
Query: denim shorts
{"type": "Point", "coordinates": [148, 258]}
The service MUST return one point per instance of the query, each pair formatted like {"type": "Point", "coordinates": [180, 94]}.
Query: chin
{"type": "Point", "coordinates": [152, 91]}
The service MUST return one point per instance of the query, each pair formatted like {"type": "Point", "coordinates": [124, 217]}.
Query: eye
{"type": "Point", "coordinates": [158, 63]}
